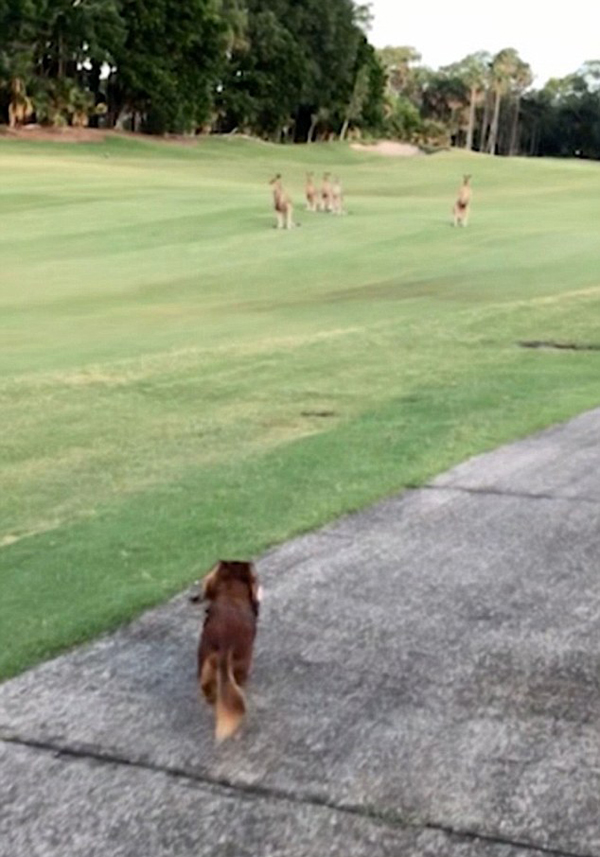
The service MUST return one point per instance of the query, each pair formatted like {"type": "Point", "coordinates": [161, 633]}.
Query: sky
{"type": "Point", "coordinates": [554, 38]}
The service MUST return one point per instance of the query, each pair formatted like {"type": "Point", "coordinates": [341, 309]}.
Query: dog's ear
{"type": "Point", "coordinates": [209, 584]}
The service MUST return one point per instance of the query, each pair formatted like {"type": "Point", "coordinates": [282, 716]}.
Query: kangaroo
{"type": "Point", "coordinates": [463, 202]}
{"type": "Point", "coordinates": [325, 203]}
{"type": "Point", "coordinates": [284, 210]}
{"type": "Point", "coordinates": [337, 196]}
{"type": "Point", "coordinates": [311, 193]}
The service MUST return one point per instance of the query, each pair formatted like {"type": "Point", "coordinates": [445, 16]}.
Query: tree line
{"type": "Point", "coordinates": [486, 102]}
{"type": "Point", "coordinates": [285, 70]}
{"type": "Point", "coordinates": [280, 69]}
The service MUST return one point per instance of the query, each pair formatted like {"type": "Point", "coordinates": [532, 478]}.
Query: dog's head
{"type": "Point", "coordinates": [234, 577]}
{"type": "Point", "coordinates": [467, 179]}
{"type": "Point", "coordinates": [276, 179]}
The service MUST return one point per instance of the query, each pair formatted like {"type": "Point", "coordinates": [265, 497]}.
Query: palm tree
{"type": "Point", "coordinates": [399, 64]}
{"type": "Point", "coordinates": [485, 122]}
{"type": "Point", "coordinates": [522, 80]}
{"type": "Point", "coordinates": [473, 71]}
{"type": "Point", "coordinates": [321, 115]}
{"type": "Point", "coordinates": [503, 70]}
{"type": "Point", "coordinates": [357, 100]}
{"type": "Point", "coordinates": [20, 107]}
{"type": "Point", "coordinates": [445, 99]}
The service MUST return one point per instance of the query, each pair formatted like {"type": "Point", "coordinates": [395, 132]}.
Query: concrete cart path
{"type": "Point", "coordinates": [427, 682]}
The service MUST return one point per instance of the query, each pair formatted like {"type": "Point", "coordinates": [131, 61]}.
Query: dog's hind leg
{"type": "Point", "coordinates": [208, 679]}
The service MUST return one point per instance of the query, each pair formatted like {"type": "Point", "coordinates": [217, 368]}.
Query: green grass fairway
{"type": "Point", "coordinates": [179, 381]}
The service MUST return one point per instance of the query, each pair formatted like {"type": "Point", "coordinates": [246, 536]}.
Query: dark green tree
{"type": "Point", "coordinates": [263, 81]}
{"type": "Point", "coordinates": [168, 66]}
{"type": "Point", "coordinates": [50, 49]}
{"type": "Point", "coordinates": [564, 117]}
{"type": "Point", "coordinates": [19, 24]}
{"type": "Point", "coordinates": [302, 65]}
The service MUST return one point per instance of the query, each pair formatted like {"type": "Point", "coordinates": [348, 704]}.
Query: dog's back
{"type": "Point", "coordinates": [229, 628]}
{"type": "Point", "coordinates": [225, 650]}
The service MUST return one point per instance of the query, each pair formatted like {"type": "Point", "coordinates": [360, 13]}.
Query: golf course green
{"type": "Point", "coordinates": [180, 381]}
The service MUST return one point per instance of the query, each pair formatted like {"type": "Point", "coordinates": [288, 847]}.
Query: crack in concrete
{"type": "Point", "coordinates": [387, 817]}
{"type": "Point", "coordinates": [503, 492]}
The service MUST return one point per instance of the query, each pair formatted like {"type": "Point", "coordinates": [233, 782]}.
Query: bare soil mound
{"type": "Point", "coordinates": [42, 134]}
{"type": "Point", "coordinates": [39, 133]}
{"type": "Point", "coordinates": [388, 148]}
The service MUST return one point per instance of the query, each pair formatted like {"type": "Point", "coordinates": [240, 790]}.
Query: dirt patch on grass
{"type": "Point", "coordinates": [40, 134]}
{"type": "Point", "coordinates": [559, 346]}
{"type": "Point", "coordinates": [13, 538]}
{"type": "Point", "coordinates": [388, 148]}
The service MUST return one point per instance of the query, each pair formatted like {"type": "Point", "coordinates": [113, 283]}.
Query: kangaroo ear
{"type": "Point", "coordinates": [209, 584]}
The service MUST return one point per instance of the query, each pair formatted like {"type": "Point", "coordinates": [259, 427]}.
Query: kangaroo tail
{"type": "Point", "coordinates": [230, 703]}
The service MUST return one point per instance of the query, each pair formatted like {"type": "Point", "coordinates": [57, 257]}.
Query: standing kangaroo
{"type": "Point", "coordinates": [325, 203]}
{"type": "Point", "coordinates": [311, 193]}
{"type": "Point", "coordinates": [463, 202]}
{"type": "Point", "coordinates": [284, 210]}
{"type": "Point", "coordinates": [337, 196]}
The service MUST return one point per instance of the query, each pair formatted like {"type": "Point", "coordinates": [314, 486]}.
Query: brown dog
{"type": "Point", "coordinates": [225, 650]}
{"type": "Point", "coordinates": [461, 206]}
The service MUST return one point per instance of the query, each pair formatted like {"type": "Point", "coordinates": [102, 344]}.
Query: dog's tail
{"type": "Point", "coordinates": [230, 704]}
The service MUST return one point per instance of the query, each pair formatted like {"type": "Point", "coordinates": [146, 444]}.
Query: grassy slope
{"type": "Point", "coordinates": [163, 351]}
